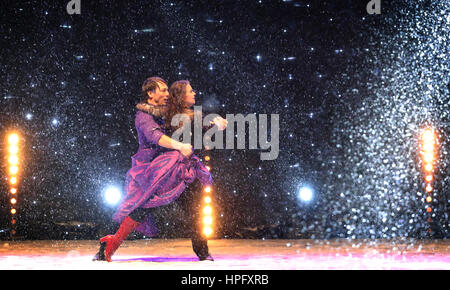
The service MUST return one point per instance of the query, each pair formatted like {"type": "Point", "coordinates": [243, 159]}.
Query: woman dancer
{"type": "Point", "coordinates": [160, 172]}
{"type": "Point", "coordinates": [181, 99]}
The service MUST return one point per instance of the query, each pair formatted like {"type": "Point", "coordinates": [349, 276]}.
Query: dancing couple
{"type": "Point", "coordinates": [161, 169]}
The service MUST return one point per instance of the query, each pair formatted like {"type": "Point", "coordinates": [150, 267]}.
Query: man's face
{"type": "Point", "coordinates": [160, 96]}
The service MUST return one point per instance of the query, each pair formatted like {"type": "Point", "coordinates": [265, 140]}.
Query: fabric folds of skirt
{"type": "Point", "coordinates": [159, 182]}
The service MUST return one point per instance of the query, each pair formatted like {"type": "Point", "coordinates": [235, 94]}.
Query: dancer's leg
{"type": "Point", "coordinates": [110, 243]}
{"type": "Point", "coordinates": [191, 206]}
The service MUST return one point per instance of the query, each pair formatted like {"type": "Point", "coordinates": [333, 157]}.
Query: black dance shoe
{"type": "Point", "coordinates": [206, 258]}
{"type": "Point", "coordinates": [100, 256]}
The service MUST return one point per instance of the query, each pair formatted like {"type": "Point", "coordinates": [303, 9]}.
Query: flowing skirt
{"type": "Point", "coordinates": [159, 182]}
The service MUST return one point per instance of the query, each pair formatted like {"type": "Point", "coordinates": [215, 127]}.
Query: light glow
{"type": "Point", "coordinates": [207, 220]}
{"type": "Point", "coordinates": [13, 139]}
{"type": "Point", "coordinates": [305, 194]}
{"type": "Point", "coordinates": [112, 196]}
{"type": "Point", "coordinates": [207, 210]}
{"type": "Point", "coordinates": [13, 160]}
{"type": "Point", "coordinates": [13, 169]}
{"type": "Point", "coordinates": [207, 231]}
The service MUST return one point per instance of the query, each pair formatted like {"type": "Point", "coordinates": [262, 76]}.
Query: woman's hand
{"type": "Point", "coordinates": [220, 122]}
{"type": "Point", "coordinates": [186, 150]}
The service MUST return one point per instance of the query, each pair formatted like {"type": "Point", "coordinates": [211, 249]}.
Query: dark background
{"type": "Point", "coordinates": [352, 90]}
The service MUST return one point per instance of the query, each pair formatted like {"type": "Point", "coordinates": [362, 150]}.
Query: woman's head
{"type": "Point", "coordinates": [182, 94]}
{"type": "Point", "coordinates": [181, 99]}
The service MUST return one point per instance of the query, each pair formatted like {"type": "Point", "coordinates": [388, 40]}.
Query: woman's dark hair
{"type": "Point", "coordinates": [176, 103]}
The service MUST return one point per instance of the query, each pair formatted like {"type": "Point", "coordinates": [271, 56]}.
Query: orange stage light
{"type": "Point", "coordinates": [207, 231]}
{"type": "Point", "coordinates": [429, 167]}
{"type": "Point", "coordinates": [428, 136]}
{"type": "Point", "coordinates": [428, 157]}
{"type": "Point", "coordinates": [13, 139]}
{"type": "Point", "coordinates": [13, 149]}
{"type": "Point", "coordinates": [207, 210]}
{"type": "Point", "coordinates": [207, 220]}
{"type": "Point", "coordinates": [13, 160]}
{"type": "Point", "coordinates": [13, 180]}
{"type": "Point", "coordinates": [13, 169]}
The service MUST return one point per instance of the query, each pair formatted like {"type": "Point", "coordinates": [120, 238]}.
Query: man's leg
{"type": "Point", "coordinates": [110, 243]}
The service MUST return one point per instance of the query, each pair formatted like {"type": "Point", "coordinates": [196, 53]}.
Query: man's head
{"type": "Point", "coordinates": [156, 91]}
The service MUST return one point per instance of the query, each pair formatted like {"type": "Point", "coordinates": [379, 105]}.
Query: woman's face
{"type": "Point", "coordinates": [189, 99]}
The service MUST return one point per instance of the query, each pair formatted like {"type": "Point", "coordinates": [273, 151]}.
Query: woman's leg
{"type": "Point", "coordinates": [191, 206]}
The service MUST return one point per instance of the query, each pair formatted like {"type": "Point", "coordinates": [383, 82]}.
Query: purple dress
{"type": "Point", "coordinates": [158, 175]}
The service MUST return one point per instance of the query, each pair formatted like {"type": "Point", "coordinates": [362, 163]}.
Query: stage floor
{"type": "Point", "coordinates": [236, 254]}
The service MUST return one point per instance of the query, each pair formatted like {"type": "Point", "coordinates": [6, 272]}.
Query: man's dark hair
{"type": "Point", "coordinates": [150, 84]}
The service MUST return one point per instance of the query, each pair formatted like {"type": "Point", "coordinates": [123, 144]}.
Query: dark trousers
{"type": "Point", "coordinates": [189, 202]}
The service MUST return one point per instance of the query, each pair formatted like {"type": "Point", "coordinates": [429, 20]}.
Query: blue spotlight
{"type": "Point", "coordinates": [112, 196]}
{"type": "Point", "coordinates": [305, 194]}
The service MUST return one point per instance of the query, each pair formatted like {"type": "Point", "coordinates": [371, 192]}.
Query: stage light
{"type": "Point", "coordinates": [428, 147]}
{"type": "Point", "coordinates": [208, 168]}
{"type": "Point", "coordinates": [13, 169]}
{"type": "Point", "coordinates": [207, 231]}
{"type": "Point", "coordinates": [207, 210]}
{"type": "Point", "coordinates": [13, 160]}
{"type": "Point", "coordinates": [207, 199]}
{"type": "Point", "coordinates": [429, 199]}
{"type": "Point", "coordinates": [112, 196]}
{"type": "Point", "coordinates": [429, 178]}
{"type": "Point", "coordinates": [13, 149]}
{"type": "Point", "coordinates": [429, 209]}
{"type": "Point", "coordinates": [305, 194]}
{"type": "Point", "coordinates": [428, 157]}
{"type": "Point", "coordinates": [428, 136]}
{"type": "Point", "coordinates": [207, 158]}
{"type": "Point", "coordinates": [208, 189]}
{"type": "Point", "coordinates": [428, 167]}
{"type": "Point", "coordinates": [429, 188]}
{"type": "Point", "coordinates": [207, 220]}
{"type": "Point", "coordinates": [13, 139]}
